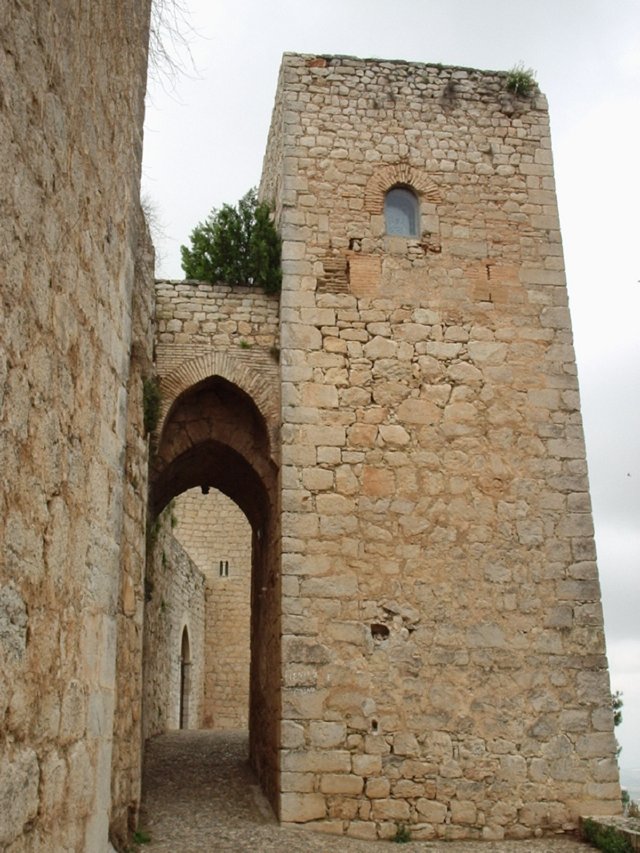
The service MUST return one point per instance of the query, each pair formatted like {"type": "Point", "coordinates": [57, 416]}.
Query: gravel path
{"type": "Point", "coordinates": [200, 795]}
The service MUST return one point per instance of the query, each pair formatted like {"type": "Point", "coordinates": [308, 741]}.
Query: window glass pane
{"type": "Point", "coordinates": [401, 212]}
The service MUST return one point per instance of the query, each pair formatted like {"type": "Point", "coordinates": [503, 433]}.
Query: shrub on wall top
{"type": "Point", "coordinates": [236, 245]}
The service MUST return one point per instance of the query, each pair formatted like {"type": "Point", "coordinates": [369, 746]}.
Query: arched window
{"type": "Point", "coordinates": [401, 212]}
{"type": "Point", "coordinates": [185, 679]}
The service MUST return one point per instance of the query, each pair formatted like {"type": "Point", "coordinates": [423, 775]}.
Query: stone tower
{"type": "Point", "coordinates": [442, 635]}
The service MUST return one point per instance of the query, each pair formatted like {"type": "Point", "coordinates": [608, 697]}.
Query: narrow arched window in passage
{"type": "Point", "coordinates": [185, 679]}
{"type": "Point", "coordinates": [401, 212]}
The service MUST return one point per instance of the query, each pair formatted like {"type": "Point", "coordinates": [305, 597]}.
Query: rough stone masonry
{"type": "Point", "coordinates": [427, 643]}
{"type": "Point", "coordinates": [443, 653]}
{"type": "Point", "coordinates": [75, 320]}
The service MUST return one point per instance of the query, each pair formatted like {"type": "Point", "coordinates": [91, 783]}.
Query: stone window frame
{"type": "Point", "coordinates": [427, 192]}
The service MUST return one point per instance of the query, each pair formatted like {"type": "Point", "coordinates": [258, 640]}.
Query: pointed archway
{"type": "Point", "coordinates": [214, 436]}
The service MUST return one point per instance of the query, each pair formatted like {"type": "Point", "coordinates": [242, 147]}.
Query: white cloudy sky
{"type": "Point", "coordinates": [204, 143]}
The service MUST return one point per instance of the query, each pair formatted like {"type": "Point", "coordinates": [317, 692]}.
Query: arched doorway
{"type": "Point", "coordinates": [214, 436]}
{"type": "Point", "coordinates": [185, 679]}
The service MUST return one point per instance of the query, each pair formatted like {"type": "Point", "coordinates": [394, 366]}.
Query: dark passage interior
{"type": "Point", "coordinates": [214, 437]}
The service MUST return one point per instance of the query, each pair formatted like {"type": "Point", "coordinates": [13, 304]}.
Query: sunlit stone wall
{"type": "Point", "coordinates": [71, 113]}
{"type": "Point", "coordinates": [444, 659]}
{"type": "Point", "coordinates": [217, 536]}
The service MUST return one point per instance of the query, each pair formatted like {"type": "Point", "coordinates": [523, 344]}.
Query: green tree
{"type": "Point", "coordinates": [236, 245]}
{"type": "Point", "coordinates": [616, 707]}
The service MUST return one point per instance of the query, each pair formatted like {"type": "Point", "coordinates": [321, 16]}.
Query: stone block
{"type": "Point", "coordinates": [406, 744]}
{"type": "Point", "coordinates": [341, 783]}
{"type": "Point", "coordinates": [291, 735]}
{"type": "Point", "coordinates": [302, 704]}
{"type": "Point", "coordinates": [380, 347]}
{"type": "Point", "coordinates": [367, 765]}
{"type": "Point", "coordinates": [463, 811]}
{"type": "Point", "coordinates": [317, 479]}
{"type": "Point", "coordinates": [334, 586]}
{"type": "Point", "coordinates": [377, 788]}
{"type": "Point", "coordinates": [301, 808]}
{"type": "Point", "coordinates": [378, 482]}
{"type": "Point", "coordinates": [396, 810]}
{"type": "Point", "coordinates": [414, 411]}
{"type": "Point", "coordinates": [487, 352]}
{"type": "Point", "coordinates": [596, 745]}
{"type": "Point", "coordinates": [394, 435]}
{"type": "Point", "coordinates": [431, 810]}
{"type": "Point", "coordinates": [364, 830]}
{"type": "Point", "coordinates": [19, 775]}
{"type": "Point", "coordinates": [299, 783]}
{"type": "Point", "coordinates": [317, 761]}
{"type": "Point", "coordinates": [513, 768]}
{"type": "Point", "coordinates": [325, 735]}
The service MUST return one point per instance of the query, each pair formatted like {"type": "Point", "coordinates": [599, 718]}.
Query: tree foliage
{"type": "Point", "coordinates": [236, 245]}
{"type": "Point", "coordinates": [616, 707]}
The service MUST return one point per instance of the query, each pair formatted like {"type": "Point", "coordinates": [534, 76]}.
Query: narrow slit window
{"type": "Point", "coordinates": [401, 213]}
{"type": "Point", "coordinates": [224, 568]}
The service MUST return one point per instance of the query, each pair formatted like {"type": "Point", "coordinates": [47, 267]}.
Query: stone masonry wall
{"type": "Point", "coordinates": [212, 329]}
{"type": "Point", "coordinates": [71, 112]}
{"type": "Point", "coordinates": [175, 599]}
{"type": "Point", "coordinates": [213, 530]}
{"type": "Point", "coordinates": [127, 731]}
{"type": "Point", "coordinates": [195, 317]}
{"type": "Point", "coordinates": [444, 660]}
{"type": "Point", "coordinates": [217, 357]}
{"type": "Point", "coordinates": [204, 330]}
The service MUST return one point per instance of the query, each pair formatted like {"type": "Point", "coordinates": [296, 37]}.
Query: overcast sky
{"type": "Point", "coordinates": [205, 138]}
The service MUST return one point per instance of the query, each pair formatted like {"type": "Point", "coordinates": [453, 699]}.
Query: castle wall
{"type": "Point", "coordinates": [127, 731]}
{"type": "Point", "coordinates": [214, 531]}
{"type": "Point", "coordinates": [194, 318]}
{"type": "Point", "coordinates": [444, 659]}
{"type": "Point", "coordinates": [71, 115]}
{"type": "Point", "coordinates": [175, 600]}
{"type": "Point", "coordinates": [212, 329]}
{"type": "Point", "coordinates": [217, 356]}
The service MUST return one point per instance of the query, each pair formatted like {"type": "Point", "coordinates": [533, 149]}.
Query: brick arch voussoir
{"type": "Point", "coordinates": [388, 176]}
{"type": "Point", "coordinates": [263, 390]}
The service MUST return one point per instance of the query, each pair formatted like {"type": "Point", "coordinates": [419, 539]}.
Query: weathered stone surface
{"type": "Point", "coordinates": [176, 668]}
{"type": "Point", "coordinates": [427, 634]}
{"type": "Point", "coordinates": [300, 808]}
{"type": "Point", "coordinates": [19, 775]}
{"type": "Point", "coordinates": [447, 491]}
{"type": "Point", "coordinates": [13, 623]}
{"type": "Point", "coordinates": [75, 342]}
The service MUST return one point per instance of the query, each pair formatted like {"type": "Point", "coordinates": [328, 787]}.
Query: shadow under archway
{"type": "Point", "coordinates": [214, 436]}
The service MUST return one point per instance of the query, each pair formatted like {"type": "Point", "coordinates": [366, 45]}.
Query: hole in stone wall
{"type": "Point", "coordinates": [379, 631]}
{"type": "Point", "coordinates": [374, 725]}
